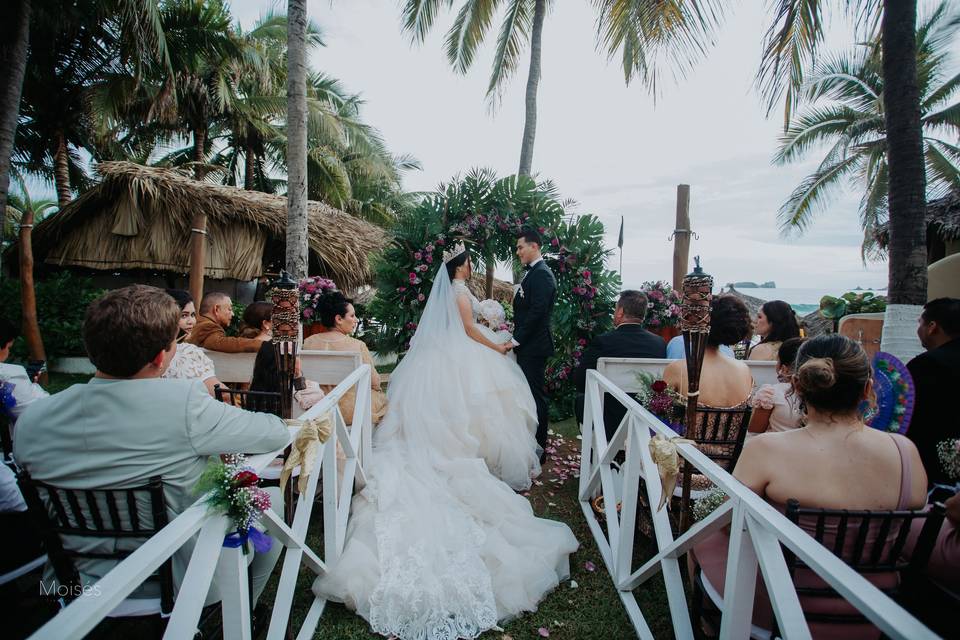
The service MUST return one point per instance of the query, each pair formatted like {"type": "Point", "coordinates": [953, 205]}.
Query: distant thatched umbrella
{"type": "Point", "coordinates": [139, 217]}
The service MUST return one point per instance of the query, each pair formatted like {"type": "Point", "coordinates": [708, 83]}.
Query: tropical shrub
{"type": "Point", "coordinates": [487, 213]}
{"type": "Point", "coordinates": [62, 300]}
{"type": "Point", "coordinates": [849, 303]}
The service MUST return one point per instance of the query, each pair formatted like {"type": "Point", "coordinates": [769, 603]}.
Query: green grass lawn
{"type": "Point", "coordinates": [589, 610]}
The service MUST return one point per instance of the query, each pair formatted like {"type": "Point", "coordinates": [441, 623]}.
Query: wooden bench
{"type": "Point", "coordinates": [623, 371]}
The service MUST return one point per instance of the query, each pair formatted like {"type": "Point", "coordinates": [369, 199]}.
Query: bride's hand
{"type": "Point", "coordinates": [505, 347]}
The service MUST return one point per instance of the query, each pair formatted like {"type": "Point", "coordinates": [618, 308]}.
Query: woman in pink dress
{"type": "Point", "coordinates": [834, 462]}
{"type": "Point", "coordinates": [775, 407]}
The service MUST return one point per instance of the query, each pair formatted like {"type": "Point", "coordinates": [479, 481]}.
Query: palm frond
{"type": "Point", "coordinates": [418, 15]}
{"type": "Point", "coordinates": [797, 212]}
{"type": "Point", "coordinates": [513, 37]}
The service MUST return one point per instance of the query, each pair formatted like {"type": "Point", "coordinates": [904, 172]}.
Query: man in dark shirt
{"type": "Point", "coordinates": [936, 375]}
{"type": "Point", "coordinates": [628, 340]}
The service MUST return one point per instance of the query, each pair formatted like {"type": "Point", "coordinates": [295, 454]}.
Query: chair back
{"type": "Point", "coordinates": [260, 401]}
{"type": "Point", "coordinates": [869, 542]}
{"type": "Point", "coordinates": [64, 515]}
{"type": "Point", "coordinates": [328, 367]}
{"type": "Point", "coordinates": [720, 433]}
{"type": "Point", "coordinates": [232, 367]}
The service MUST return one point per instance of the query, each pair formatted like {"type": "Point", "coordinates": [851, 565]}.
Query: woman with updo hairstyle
{"type": "Point", "coordinates": [776, 322]}
{"type": "Point", "coordinates": [724, 382]}
{"type": "Point", "coordinates": [337, 315]}
{"type": "Point", "coordinates": [834, 462]}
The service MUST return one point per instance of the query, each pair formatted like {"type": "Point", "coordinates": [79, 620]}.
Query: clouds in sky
{"type": "Point", "coordinates": [612, 148]}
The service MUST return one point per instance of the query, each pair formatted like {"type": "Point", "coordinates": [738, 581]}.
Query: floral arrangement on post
{"type": "Point", "coordinates": [233, 489]}
{"type": "Point", "coordinates": [659, 400]}
{"type": "Point", "coordinates": [311, 289]}
{"type": "Point", "coordinates": [663, 306]}
{"type": "Point", "coordinates": [949, 453]}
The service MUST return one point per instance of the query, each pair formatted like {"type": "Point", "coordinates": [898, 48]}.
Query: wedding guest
{"type": "Point", "coordinates": [776, 322]}
{"type": "Point", "coordinates": [135, 426]}
{"type": "Point", "coordinates": [835, 462]}
{"type": "Point", "coordinates": [17, 390]}
{"type": "Point", "coordinates": [775, 408]}
{"type": "Point", "coordinates": [675, 349]}
{"type": "Point", "coordinates": [216, 313]}
{"type": "Point", "coordinates": [628, 340]}
{"type": "Point", "coordinates": [256, 321]}
{"type": "Point", "coordinates": [936, 378]}
{"type": "Point", "coordinates": [724, 382]}
{"type": "Point", "coordinates": [337, 314]}
{"type": "Point", "coordinates": [266, 377]}
{"type": "Point", "coordinates": [189, 362]}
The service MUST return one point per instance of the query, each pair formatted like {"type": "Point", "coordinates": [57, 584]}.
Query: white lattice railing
{"type": "Point", "coordinates": [757, 533]}
{"type": "Point", "coordinates": [211, 559]}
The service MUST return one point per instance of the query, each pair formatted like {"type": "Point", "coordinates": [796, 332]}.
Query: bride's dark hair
{"type": "Point", "coordinates": [453, 264]}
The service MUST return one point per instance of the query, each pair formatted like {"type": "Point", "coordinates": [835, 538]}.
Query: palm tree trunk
{"type": "Point", "coordinates": [249, 168]}
{"type": "Point", "coordinates": [907, 196]}
{"type": "Point", "coordinates": [28, 297]}
{"type": "Point", "coordinates": [297, 246]}
{"type": "Point", "coordinates": [533, 83]}
{"type": "Point", "coordinates": [14, 37]}
{"type": "Point", "coordinates": [61, 172]}
{"type": "Point", "coordinates": [198, 227]}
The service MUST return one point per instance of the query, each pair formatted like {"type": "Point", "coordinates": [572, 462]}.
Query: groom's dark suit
{"type": "Point", "coordinates": [532, 306]}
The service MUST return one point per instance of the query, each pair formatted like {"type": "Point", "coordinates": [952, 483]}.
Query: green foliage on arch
{"type": "Point", "coordinates": [487, 213]}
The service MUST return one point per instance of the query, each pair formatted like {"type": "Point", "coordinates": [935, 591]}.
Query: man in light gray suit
{"type": "Point", "coordinates": [127, 424]}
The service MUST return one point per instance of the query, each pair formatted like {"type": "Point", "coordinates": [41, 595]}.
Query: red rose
{"type": "Point", "coordinates": [245, 479]}
{"type": "Point", "coordinates": [659, 386]}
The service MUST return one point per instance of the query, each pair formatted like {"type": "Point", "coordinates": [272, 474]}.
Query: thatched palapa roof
{"type": "Point", "coordinates": [140, 217]}
{"type": "Point", "coordinates": [943, 220]}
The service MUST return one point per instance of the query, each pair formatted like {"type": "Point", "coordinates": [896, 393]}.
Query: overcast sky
{"type": "Point", "coordinates": [605, 145]}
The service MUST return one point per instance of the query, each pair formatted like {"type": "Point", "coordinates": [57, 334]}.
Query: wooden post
{"type": "Point", "coordinates": [28, 295]}
{"type": "Point", "coordinates": [681, 237]}
{"type": "Point", "coordinates": [198, 248]}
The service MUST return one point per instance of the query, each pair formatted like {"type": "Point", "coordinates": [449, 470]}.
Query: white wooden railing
{"type": "Point", "coordinates": [757, 533]}
{"type": "Point", "coordinates": [211, 559]}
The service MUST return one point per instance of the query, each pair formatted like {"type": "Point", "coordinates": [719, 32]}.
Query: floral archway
{"type": "Point", "coordinates": [487, 214]}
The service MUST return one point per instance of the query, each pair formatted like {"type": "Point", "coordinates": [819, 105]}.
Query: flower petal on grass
{"type": "Point", "coordinates": [589, 566]}
{"type": "Point", "coordinates": [544, 632]}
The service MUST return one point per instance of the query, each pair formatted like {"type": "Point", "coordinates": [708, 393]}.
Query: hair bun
{"type": "Point", "coordinates": [816, 374]}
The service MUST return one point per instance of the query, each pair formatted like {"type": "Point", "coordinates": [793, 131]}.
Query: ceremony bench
{"type": "Point", "coordinates": [623, 371]}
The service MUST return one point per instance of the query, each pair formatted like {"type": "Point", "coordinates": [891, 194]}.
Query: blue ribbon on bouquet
{"type": "Point", "coordinates": [7, 400]}
{"type": "Point", "coordinates": [261, 541]}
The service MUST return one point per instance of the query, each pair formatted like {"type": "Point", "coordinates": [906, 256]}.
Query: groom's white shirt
{"type": "Point", "coordinates": [526, 273]}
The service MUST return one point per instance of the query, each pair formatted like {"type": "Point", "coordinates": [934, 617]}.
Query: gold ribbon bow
{"type": "Point", "coordinates": [663, 450]}
{"type": "Point", "coordinates": [303, 450]}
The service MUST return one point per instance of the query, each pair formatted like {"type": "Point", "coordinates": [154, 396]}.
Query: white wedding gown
{"type": "Point", "coordinates": [439, 545]}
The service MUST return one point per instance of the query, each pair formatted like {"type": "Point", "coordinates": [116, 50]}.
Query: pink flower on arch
{"type": "Point", "coordinates": [418, 256]}
{"type": "Point", "coordinates": [421, 297]}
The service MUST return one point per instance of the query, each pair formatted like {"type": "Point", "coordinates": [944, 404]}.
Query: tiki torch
{"type": "Point", "coordinates": [695, 325]}
{"type": "Point", "coordinates": [286, 332]}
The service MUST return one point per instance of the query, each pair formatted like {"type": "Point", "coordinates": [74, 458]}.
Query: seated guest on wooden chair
{"type": "Point", "coordinates": [256, 322]}
{"type": "Point", "coordinates": [834, 462]}
{"type": "Point", "coordinates": [628, 340]}
{"type": "Point", "coordinates": [216, 313]}
{"type": "Point", "coordinates": [190, 362]}
{"type": "Point", "coordinates": [337, 314]}
{"type": "Point", "coordinates": [17, 390]}
{"type": "Point", "coordinates": [936, 376]}
{"type": "Point", "coordinates": [127, 425]}
{"type": "Point", "coordinates": [725, 383]}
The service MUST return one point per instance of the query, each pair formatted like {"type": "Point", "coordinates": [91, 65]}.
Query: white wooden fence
{"type": "Point", "coordinates": [211, 559]}
{"type": "Point", "coordinates": [757, 533]}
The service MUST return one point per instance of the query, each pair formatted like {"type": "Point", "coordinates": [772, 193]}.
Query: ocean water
{"type": "Point", "coordinates": [803, 301]}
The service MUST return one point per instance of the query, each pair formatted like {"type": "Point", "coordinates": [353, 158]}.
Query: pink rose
{"type": "Point", "coordinates": [429, 258]}
{"type": "Point", "coordinates": [413, 277]}
{"type": "Point", "coordinates": [555, 242]}
{"type": "Point", "coordinates": [308, 312]}
{"type": "Point", "coordinates": [421, 297]}
{"type": "Point", "coordinates": [401, 289]}
{"type": "Point", "coordinates": [586, 274]}
{"type": "Point", "coordinates": [418, 256]}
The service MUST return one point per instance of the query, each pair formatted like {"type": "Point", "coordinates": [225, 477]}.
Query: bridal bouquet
{"type": "Point", "coordinates": [494, 315]}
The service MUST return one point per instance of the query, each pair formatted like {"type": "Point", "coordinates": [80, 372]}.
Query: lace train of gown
{"type": "Point", "coordinates": [437, 546]}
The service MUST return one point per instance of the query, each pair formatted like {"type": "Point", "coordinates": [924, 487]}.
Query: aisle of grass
{"type": "Point", "coordinates": [586, 606]}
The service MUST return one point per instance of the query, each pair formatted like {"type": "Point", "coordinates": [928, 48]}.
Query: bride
{"type": "Point", "coordinates": [439, 545]}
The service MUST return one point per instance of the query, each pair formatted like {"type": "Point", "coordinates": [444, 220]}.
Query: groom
{"type": "Point", "coordinates": [532, 307]}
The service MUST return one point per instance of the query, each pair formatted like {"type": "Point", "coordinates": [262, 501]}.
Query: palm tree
{"type": "Point", "coordinates": [297, 246]}
{"type": "Point", "coordinates": [640, 32]}
{"type": "Point", "coordinates": [14, 38]}
{"type": "Point", "coordinates": [791, 44]}
{"type": "Point", "coordinates": [843, 104]}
